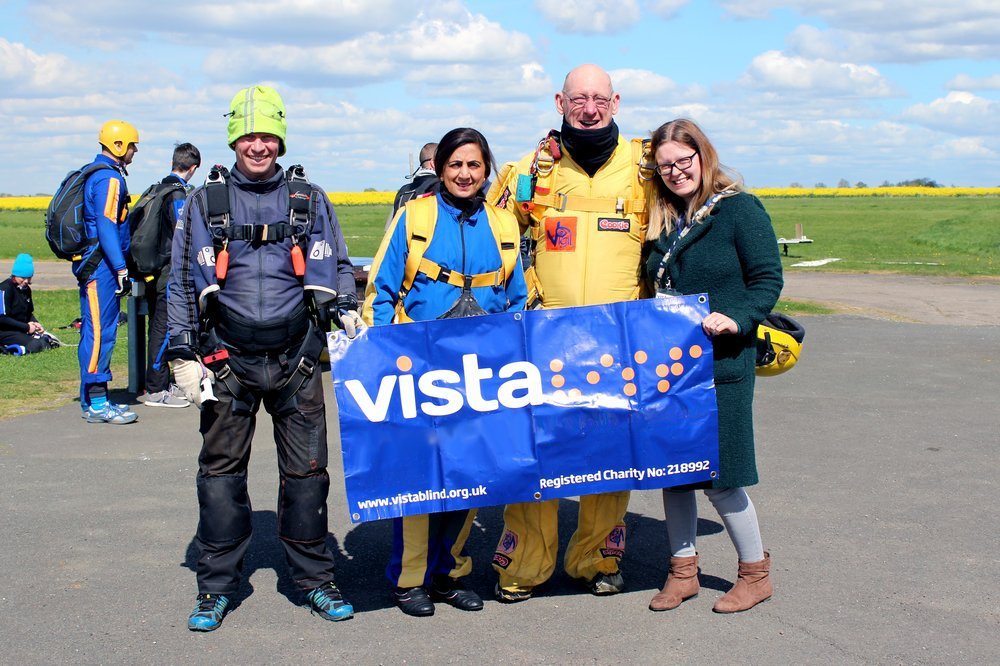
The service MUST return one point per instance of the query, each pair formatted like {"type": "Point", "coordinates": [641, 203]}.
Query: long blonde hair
{"type": "Point", "coordinates": [665, 207]}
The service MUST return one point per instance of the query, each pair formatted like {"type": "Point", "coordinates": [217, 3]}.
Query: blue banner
{"type": "Point", "coordinates": [519, 407]}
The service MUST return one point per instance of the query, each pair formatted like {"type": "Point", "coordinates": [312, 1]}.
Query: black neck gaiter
{"type": "Point", "coordinates": [589, 148]}
{"type": "Point", "coordinates": [467, 207]}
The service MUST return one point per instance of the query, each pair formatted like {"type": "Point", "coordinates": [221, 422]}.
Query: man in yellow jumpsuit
{"type": "Point", "coordinates": [582, 197]}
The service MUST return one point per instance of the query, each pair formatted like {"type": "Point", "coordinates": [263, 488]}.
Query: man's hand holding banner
{"type": "Point", "coordinates": [527, 406]}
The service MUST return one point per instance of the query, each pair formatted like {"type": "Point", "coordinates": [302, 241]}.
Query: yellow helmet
{"type": "Point", "coordinates": [118, 131]}
{"type": "Point", "coordinates": [257, 109]}
{"type": "Point", "coordinates": [779, 344]}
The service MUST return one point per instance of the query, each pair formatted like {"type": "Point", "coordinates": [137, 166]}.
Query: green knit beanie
{"type": "Point", "coordinates": [257, 109]}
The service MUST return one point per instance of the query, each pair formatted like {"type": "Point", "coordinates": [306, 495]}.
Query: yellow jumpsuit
{"type": "Point", "coordinates": [584, 256]}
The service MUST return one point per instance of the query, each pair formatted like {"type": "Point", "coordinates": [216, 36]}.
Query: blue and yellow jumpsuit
{"type": "Point", "coordinates": [105, 205]}
{"type": "Point", "coordinates": [430, 545]}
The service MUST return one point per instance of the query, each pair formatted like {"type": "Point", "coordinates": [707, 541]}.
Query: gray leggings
{"type": "Point", "coordinates": [735, 509]}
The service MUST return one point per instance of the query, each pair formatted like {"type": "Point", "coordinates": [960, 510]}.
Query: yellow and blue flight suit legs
{"type": "Point", "coordinates": [99, 310]}
{"type": "Point", "coordinates": [526, 554]}
{"type": "Point", "coordinates": [429, 545]}
{"type": "Point", "coordinates": [598, 544]}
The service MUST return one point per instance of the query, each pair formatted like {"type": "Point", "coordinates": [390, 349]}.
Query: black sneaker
{"type": "Point", "coordinates": [453, 592]}
{"type": "Point", "coordinates": [414, 601]}
{"type": "Point", "coordinates": [604, 584]}
{"type": "Point", "coordinates": [327, 602]}
{"type": "Point", "coordinates": [209, 610]}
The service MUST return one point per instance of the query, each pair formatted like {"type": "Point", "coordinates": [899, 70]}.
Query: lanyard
{"type": "Point", "coordinates": [662, 277]}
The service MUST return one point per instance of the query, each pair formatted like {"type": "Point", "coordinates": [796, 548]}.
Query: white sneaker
{"type": "Point", "coordinates": [167, 398]}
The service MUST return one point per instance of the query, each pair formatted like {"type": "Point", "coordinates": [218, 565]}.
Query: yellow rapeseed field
{"type": "Point", "coordinates": [785, 192]}
{"type": "Point", "coordinates": [360, 198]}
{"type": "Point", "coordinates": [338, 199]}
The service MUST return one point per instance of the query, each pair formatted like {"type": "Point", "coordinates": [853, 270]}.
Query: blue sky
{"type": "Point", "coordinates": [806, 91]}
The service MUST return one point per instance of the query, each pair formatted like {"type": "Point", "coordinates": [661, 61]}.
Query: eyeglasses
{"type": "Point", "coordinates": [681, 164]}
{"type": "Point", "coordinates": [599, 101]}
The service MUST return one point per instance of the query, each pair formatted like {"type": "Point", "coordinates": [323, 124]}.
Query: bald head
{"type": "Point", "coordinates": [588, 76]}
{"type": "Point", "coordinates": [587, 99]}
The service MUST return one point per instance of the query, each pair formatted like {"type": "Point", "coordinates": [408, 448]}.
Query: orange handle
{"type": "Point", "coordinates": [221, 264]}
{"type": "Point", "coordinates": [298, 261]}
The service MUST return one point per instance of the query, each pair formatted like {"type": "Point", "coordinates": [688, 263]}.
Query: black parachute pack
{"type": "Point", "coordinates": [150, 237]}
{"type": "Point", "coordinates": [64, 220]}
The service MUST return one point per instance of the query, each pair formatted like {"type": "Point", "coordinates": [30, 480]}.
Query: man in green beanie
{"type": "Point", "coordinates": [259, 270]}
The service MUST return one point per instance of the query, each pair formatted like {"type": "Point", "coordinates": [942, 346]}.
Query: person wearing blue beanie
{"type": "Point", "coordinates": [24, 266]}
{"type": "Point", "coordinates": [20, 332]}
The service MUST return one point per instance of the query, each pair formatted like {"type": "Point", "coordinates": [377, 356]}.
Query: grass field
{"type": "Point", "coordinates": [52, 378]}
{"type": "Point", "coordinates": [916, 235]}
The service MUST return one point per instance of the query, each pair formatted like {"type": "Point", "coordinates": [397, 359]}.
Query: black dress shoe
{"type": "Point", "coordinates": [414, 601]}
{"type": "Point", "coordinates": [452, 592]}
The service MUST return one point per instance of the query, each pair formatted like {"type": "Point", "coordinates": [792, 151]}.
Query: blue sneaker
{"type": "Point", "coordinates": [110, 413]}
{"type": "Point", "coordinates": [208, 612]}
{"type": "Point", "coordinates": [327, 602]}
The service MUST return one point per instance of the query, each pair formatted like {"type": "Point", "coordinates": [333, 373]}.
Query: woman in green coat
{"type": "Point", "coordinates": [708, 236]}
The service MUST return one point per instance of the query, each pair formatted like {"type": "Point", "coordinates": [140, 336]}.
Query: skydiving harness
{"type": "Point", "coordinates": [421, 219]}
{"type": "Point", "coordinates": [263, 337]}
{"type": "Point", "coordinates": [533, 195]}
{"type": "Point", "coordinates": [534, 189]}
{"type": "Point", "coordinates": [301, 216]}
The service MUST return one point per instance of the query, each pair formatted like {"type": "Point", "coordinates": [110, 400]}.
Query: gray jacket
{"type": "Point", "coordinates": [261, 285]}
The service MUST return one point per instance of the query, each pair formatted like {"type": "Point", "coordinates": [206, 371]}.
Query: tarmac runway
{"type": "Point", "coordinates": [877, 457]}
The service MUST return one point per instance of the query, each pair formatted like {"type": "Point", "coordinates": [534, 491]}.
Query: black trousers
{"type": "Point", "coordinates": [224, 524]}
{"type": "Point", "coordinates": [31, 344]}
{"type": "Point", "coordinates": [156, 379]}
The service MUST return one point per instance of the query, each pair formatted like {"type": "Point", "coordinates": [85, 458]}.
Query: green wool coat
{"type": "Point", "coordinates": [732, 255]}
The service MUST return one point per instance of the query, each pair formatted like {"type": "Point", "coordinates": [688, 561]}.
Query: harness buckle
{"type": "Point", "coordinates": [562, 202]}
{"type": "Point", "coordinates": [620, 206]}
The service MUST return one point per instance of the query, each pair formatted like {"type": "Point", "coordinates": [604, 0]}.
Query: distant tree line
{"type": "Point", "coordinates": [843, 183]}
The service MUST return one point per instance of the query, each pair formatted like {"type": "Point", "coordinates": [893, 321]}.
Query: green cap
{"type": "Point", "coordinates": [257, 109]}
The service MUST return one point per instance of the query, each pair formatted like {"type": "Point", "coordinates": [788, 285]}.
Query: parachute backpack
{"type": "Point", "coordinates": [144, 223]}
{"type": "Point", "coordinates": [779, 344]}
{"type": "Point", "coordinates": [64, 220]}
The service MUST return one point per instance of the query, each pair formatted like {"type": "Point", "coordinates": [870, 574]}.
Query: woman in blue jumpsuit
{"type": "Point", "coordinates": [428, 553]}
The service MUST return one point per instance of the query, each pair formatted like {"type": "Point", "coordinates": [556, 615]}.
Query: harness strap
{"type": "Point", "coordinates": [435, 272]}
{"type": "Point", "coordinates": [262, 233]}
{"type": "Point", "coordinates": [421, 219]}
{"type": "Point", "coordinates": [610, 205]}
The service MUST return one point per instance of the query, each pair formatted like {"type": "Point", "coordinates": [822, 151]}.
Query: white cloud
{"type": "Point", "coordinates": [589, 16]}
{"type": "Point", "coordinates": [966, 147]}
{"type": "Point", "coordinates": [28, 73]}
{"type": "Point", "coordinates": [861, 30]}
{"type": "Point", "coordinates": [665, 9]}
{"type": "Point", "coordinates": [640, 84]}
{"type": "Point", "coordinates": [500, 82]}
{"type": "Point", "coordinates": [776, 71]}
{"type": "Point", "coordinates": [466, 40]}
{"type": "Point", "coordinates": [263, 22]}
{"type": "Point", "coordinates": [966, 82]}
{"type": "Point", "coordinates": [957, 112]}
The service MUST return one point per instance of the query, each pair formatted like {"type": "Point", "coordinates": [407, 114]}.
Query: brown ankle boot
{"type": "Point", "coordinates": [682, 583]}
{"type": "Point", "coordinates": [753, 585]}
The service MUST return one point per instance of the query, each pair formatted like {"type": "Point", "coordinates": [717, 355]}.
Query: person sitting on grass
{"type": "Point", "coordinates": [20, 332]}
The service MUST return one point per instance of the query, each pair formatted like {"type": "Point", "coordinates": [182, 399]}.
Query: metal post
{"type": "Point", "coordinates": [137, 311]}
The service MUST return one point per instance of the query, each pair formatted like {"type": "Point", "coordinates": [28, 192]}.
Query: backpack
{"type": "Point", "coordinates": [64, 220]}
{"type": "Point", "coordinates": [145, 222]}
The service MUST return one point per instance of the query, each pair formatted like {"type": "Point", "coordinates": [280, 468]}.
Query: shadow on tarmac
{"type": "Point", "coordinates": [360, 560]}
